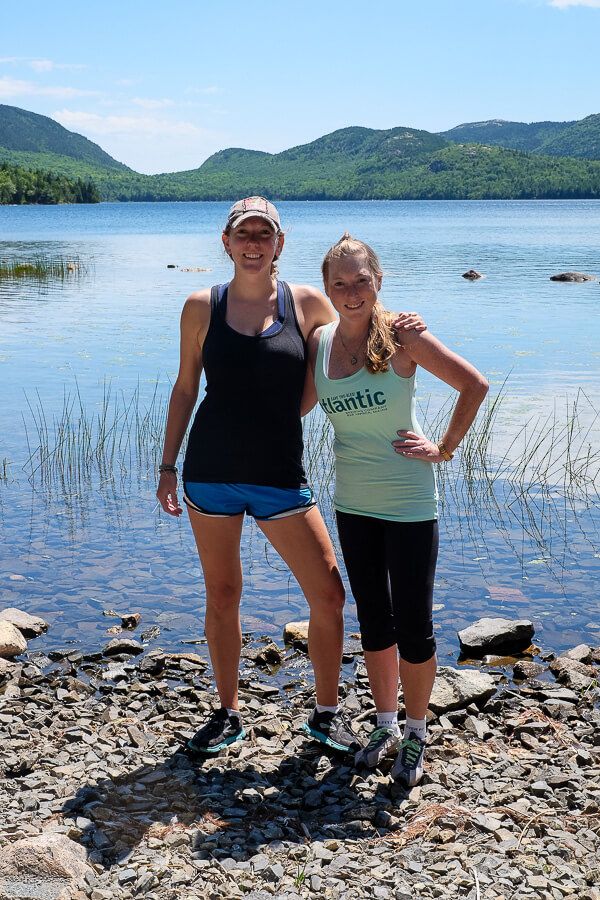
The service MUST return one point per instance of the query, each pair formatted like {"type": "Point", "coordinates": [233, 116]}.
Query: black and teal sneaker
{"type": "Point", "coordinates": [220, 731]}
{"type": "Point", "coordinates": [383, 741]}
{"type": "Point", "coordinates": [408, 767]}
{"type": "Point", "coordinates": [333, 730]}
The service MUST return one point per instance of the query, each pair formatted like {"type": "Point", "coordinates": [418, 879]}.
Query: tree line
{"type": "Point", "coordinates": [19, 185]}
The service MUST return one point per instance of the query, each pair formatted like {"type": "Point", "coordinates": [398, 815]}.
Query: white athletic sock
{"type": "Point", "coordinates": [388, 720]}
{"type": "Point", "coordinates": [415, 726]}
{"type": "Point", "coordinates": [233, 712]}
{"type": "Point", "coordinates": [330, 709]}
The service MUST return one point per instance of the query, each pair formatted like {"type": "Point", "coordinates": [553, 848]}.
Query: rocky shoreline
{"type": "Point", "coordinates": [99, 800]}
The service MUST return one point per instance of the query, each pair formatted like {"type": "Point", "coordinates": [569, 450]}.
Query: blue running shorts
{"type": "Point", "coordinates": [261, 502]}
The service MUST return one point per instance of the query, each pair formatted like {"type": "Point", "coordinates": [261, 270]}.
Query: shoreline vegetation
{"type": "Point", "coordinates": [546, 476]}
{"type": "Point", "coordinates": [476, 161]}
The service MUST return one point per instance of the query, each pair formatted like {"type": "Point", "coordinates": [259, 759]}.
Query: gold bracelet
{"type": "Point", "coordinates": [446, 455]}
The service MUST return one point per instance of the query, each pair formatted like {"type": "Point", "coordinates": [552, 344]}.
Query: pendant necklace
{"type": "Point", "coordinates": [353, 356]}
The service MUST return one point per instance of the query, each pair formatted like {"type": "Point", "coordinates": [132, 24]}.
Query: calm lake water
{"type": "Point", "coordinates": [518, 539]}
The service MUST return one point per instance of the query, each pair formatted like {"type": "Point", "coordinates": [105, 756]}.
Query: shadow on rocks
{"type": "Point", "coordinates": [187, 799]}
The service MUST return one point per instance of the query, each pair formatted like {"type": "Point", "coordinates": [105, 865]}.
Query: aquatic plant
{"type": "Point", "coordinates": [41, 267]}
{"type": "Point", "coordinates": [539, 481]}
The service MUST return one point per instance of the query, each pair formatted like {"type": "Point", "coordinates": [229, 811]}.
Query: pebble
{"type": "Point", "coordinates": [512, 785]}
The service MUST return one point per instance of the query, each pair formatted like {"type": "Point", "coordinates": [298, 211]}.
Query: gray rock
{"type": "Point", "coordinates": [472, 275]}
{"type": "Point", "coordinates": [7, 670]}
{"type": "Point", "coordinates": [456, 688]}
{"type": "Point", "coordinates": [296, 633]}
{"type": "Point", "coordinates": [12, 642]}
{"type": "Point", "coordinates": [581, 653]}
{"type": "Point", "coordinates": [53, 860]}
{"type": "Point", "coordinates": [123, 645]}
{"type": "Point", "coordinates": [526, 668]}
{"type": "Point", "coordinates": [30, 626]}
{"type": "Point", "coordinates": [496, 634]}
{"type": "Point", "coordinates": [577, 277]}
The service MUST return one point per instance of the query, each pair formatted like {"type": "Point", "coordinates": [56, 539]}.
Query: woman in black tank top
{"type": "Point", "coordinates": [251, 342]}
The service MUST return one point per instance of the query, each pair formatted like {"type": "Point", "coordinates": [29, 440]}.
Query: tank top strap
{"type": "Point", "coordinates": [290, 308]}
{"type": "Point", "coordinates": [214, 300]}
{"type": "Point", "coordinates": [324, 350]}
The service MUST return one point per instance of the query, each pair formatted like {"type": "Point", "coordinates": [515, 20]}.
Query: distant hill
{"type": "Point", "coordinates": [27, 132]}
{"type": "Point", "coordinates": [513, 135]}
{"type": "Point", "coordinates": [480, 160]}
{"type": "Point", "coordinates": [580, 139]}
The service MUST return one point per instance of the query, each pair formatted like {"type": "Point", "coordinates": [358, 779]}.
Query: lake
{"type": "Point", "coordinates": [80, 529]}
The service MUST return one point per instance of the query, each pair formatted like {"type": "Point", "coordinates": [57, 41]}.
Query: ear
{"type": "Point", "coordinates": [378, 281]}
{"type": "Point", "coordinates": [280, 243]}
{"type": "Point", "coordinates": [225, 239]}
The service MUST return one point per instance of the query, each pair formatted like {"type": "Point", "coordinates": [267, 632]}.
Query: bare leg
{"type": "Point", "coordinates": [417, 683]}
{"type": "Point", "coordinates": [382, 668]}
{"type": "Point", "coordinates": [218, 542]}
{"type": "Point", "coordinates": [304, 544]}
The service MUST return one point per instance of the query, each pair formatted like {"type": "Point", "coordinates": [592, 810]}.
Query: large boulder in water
{"type": "Point", "coordinates": [494, 635]}
{"type": "Point", "coordinates": [30, 626]}
{"type": "Point", "coordinates": [472, 275]}
{"type": "Point", "coordinates": [572, 276]}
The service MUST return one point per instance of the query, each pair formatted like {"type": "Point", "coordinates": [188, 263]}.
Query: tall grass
{"type": "Point", "coordinates": [41, 268]}
{"type": "Point", "coordinates": [535, 475]}
{"type": "Point", "coordinates": [122, 435]}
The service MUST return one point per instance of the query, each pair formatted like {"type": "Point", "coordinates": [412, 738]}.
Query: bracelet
{"type": "Point", "coordinates": [165, 467]}
{"type": "Point", "coordinates": [446, 455]}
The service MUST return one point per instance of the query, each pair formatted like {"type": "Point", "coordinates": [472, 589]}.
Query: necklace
{"type": "Point", "coordinates": [353, 355]}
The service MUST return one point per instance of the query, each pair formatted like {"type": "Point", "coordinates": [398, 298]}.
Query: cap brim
{"type": "Point", "coordinates": [254, 214]}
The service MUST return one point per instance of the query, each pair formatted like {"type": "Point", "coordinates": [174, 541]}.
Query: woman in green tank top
{"type": "Point", "coordinates": [386, 494]}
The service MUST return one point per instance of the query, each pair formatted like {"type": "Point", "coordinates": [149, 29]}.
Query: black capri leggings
{"type": "Point", "coordinates": [391, 567]}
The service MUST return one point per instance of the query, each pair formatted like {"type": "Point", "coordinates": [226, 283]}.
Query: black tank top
{"type": "Point", "coordinates": [247, 428]}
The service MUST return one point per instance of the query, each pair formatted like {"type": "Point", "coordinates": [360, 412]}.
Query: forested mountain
{"type": "Point", "coordinates": [578, 139]}
{"type": "Point", "coordinates": [24, 131]}
{"type": "Point", "coordinates": [513, 135]}
{"type": "Point", "coordinates": [480, 160]}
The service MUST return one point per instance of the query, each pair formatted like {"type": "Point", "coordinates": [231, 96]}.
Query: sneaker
{"type": "Point", "coordinates": [382, 742]}
{"type": "Point", "coordinates": [408, 767]}
{"type": "Point", "coordinates": [220, 731]}
{"type": "Point", "coordinates": [333, 730]}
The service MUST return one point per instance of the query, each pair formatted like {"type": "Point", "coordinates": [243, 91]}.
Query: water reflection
{"type": "Point", "coordinates": [93, 357]}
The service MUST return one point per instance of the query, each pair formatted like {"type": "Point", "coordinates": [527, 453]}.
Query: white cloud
{"type": "Point", "coordinates": [146, 143]}
{"type": "Point", "coordinates": [39, 65]}
{"type": "Point", "coordinates": [211, 89]}
{"type": "Point", "coordinates": [48, 65]}
{"type": "Point", "coordinates": [91, 123]}
{"type": "Point", "coordinates": [563, 4]}
{"type": "Point", "coordinates": [14, 87]}
{"type": "Point", "coordinates": [149, 103]}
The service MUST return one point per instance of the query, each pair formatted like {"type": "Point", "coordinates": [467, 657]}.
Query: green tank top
{"type": "Point", "coordinates": [366, 411]}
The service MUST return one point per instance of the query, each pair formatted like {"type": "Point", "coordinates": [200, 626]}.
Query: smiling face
{"type": "Point", "coordinates": [351, 286]}
{"type": "Point", "coordinates": [253, 245]}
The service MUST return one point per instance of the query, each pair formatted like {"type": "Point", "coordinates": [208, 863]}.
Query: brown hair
{"type": "Point", "coordinates": [274, 266]}
{"type": "Point", "coordinates": [382, 342]}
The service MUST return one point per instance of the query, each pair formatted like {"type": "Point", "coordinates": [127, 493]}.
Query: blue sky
{"type": "Point", "coordinates": [162, 87]}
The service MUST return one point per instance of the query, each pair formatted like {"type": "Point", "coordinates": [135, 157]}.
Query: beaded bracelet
{"type": "Point", "coordinates": [165, 467]}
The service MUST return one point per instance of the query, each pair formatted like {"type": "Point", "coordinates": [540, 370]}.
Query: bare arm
{"type": "Point", "coordinates": [309, 397]}
{"type": "Point", "coordinates": [195, 318]}
{"type": "Point", "coordinates": [471, 385]}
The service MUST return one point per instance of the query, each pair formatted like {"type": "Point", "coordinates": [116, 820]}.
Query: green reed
{"type": "Point", "coordinates": [535, 475]}
{"type": "Point", "coordinates": [42, 267]}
